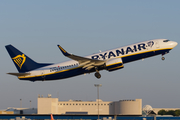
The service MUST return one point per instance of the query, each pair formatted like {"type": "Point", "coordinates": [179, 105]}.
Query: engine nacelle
{"type": "Point", "coordinates": [114, 64]}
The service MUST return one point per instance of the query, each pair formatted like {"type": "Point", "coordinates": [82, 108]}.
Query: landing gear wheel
{"type": "Point", "coordinates": [97, 75]}
{"type": "Point", "coordinates": [163, 58]}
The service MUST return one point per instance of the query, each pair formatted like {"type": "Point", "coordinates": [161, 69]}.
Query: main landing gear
{"type": "Point", "coordinates": [97, 74]}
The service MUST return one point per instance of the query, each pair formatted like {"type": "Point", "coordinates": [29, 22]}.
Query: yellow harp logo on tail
{"type": "Point", "coordinates": [19, 60]}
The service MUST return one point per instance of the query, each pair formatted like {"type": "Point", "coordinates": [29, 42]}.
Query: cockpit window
{"type": "Point", "coordinates": [166, 40]}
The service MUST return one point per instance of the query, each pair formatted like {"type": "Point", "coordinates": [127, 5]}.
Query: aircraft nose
{"type": "Point", "coordinates": [174, 44]}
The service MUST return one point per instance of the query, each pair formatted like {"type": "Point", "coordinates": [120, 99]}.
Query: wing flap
{"type": "Point", "coordinates": [89, 67]}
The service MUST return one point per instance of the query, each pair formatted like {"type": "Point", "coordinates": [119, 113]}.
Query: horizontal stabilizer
{"type": "Point", "coordinates": [19, 74]}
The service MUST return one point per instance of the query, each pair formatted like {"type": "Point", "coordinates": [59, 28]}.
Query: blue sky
{"type": "Point", "coordinates": [85, 27]}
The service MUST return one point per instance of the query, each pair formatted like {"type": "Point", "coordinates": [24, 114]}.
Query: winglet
{"type": "Point", "coordinates": [63, 51]}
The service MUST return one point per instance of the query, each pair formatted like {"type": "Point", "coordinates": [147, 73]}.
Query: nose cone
{"type": "Point", "coordinates": [173, 44]}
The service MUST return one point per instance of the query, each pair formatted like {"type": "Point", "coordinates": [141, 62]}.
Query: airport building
{"type": "Point", "coordinates": [48, 105]}
{"type": "Point", "coordinates": [122, 107]}
{"type": "Point", "coordinates": [83, 110]}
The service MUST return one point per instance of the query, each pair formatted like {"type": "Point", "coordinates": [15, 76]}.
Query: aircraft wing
{"type": "Point", "coordinates": [85, 62]}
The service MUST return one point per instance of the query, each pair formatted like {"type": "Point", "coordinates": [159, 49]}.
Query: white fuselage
{"type": "Point", "coordinates": [127, 54]}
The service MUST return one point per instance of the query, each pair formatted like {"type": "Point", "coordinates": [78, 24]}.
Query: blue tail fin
{"type": "Point", "coordinates": [22, 62]}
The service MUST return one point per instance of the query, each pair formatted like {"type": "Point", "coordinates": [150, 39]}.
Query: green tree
{"type": "Point", "coordinates": [162, 112]}
{"type": "Point", "coordinates": [170, 112]}
{"type": "Point", "coordinates": [177, 113]}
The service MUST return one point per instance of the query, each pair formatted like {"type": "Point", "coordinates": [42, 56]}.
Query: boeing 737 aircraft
{"type": "Point", "coordinates": [108, 60]}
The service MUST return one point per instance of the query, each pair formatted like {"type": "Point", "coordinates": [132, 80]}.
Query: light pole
{"type": "Point", "coordinates": [20, 103]}
{"type": "Point", "coordinates": [98, 85]}
{"type": "Point", "coordinates": [30, 103]}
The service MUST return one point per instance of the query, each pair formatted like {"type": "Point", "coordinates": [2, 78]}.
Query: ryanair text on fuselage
{"type": "Point", "coordinates": [118, 52]}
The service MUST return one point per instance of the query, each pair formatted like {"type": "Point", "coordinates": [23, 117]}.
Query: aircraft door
{"type": "Point", "coordinates": [157, 44]}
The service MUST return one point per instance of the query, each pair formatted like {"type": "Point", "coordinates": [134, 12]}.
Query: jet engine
{"type": "Point", "coordinates": [114, 64]}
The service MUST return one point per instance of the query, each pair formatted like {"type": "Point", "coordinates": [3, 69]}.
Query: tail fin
{"type": "Point", "coordinates": [22, 62]}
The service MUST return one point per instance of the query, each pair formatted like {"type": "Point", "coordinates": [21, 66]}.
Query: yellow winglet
{"type": "Point", "coordinates": [63, 51]}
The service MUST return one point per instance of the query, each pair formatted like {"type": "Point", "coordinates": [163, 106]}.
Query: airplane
{"type": "Point", "coordinates": [109, 60]}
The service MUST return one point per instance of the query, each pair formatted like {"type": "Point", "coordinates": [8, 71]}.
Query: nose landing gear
{"type": "Point", "coordinates": [163, 58]}
{"type": "Point", "coordinates": [97, 74]}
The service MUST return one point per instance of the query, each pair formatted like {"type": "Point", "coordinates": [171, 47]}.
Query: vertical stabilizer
{"type": "Point", "coordinates": [22, 62]}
